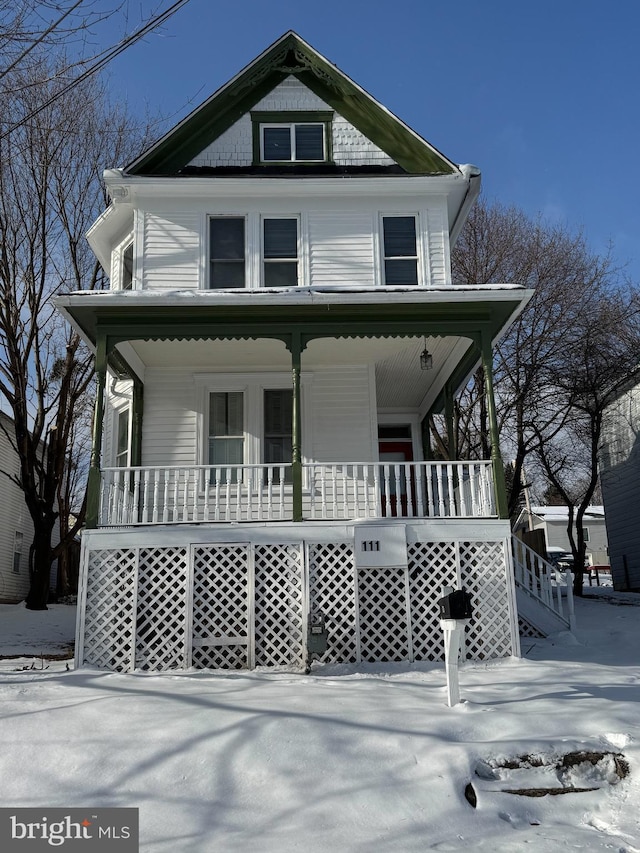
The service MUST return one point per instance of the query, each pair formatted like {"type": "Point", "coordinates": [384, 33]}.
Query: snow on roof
{"type": "Point", "coordinates": [561, 513]}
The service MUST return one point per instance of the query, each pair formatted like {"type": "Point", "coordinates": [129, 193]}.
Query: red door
{"type": "Point", "coordinates": [389, 451]}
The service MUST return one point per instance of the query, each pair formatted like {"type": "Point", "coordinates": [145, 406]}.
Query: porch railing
{"type": "Point", "coordinates": [232, 493]}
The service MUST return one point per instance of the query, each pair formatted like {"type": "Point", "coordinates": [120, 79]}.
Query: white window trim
{"type": "Point", "coordinates": [292, 137]}
{"type": "Point", "coordinates": [420, 248]}
{"type": "Point", "coordinates": [252, 385]}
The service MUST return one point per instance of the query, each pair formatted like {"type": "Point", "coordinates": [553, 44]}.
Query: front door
{"type": "Point", "coordinates": [395, 445]}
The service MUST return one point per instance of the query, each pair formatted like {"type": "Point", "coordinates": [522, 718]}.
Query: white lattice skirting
{"type": "Point", "coordinates": [230, 605]}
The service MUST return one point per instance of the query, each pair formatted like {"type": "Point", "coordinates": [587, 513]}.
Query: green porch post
{"type": "Point", "coordinates": [137, 406]}
{"type": "Point", "coordinates": [296, 428]}
{"type": "Point", "coordinates": [496, 456]}
{"type": "Point", "coordinates": [93, 481]}
{"type": "Point", "coordinates": [448, 415]}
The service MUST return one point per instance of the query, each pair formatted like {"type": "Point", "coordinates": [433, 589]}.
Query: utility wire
{"type": "Point", "coordinates": [104, 59]}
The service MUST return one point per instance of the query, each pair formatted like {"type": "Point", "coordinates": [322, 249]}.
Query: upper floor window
{"type": "Point", "coordinates": [280, 252]}
{"type": "Point", "coordinates": [400, 250]}
{"type": "Point", "coordinates": [126, 270]}
{"type": "Point", "coordinates": [292, 137]}
{"type": "Point", "coordinates": [226, 251]}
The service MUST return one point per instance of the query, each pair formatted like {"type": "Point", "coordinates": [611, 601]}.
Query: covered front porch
{"type": "Point", "coordinates": [325, 348]}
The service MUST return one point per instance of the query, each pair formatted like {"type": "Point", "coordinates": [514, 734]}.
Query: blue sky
{"type": "Point", "coordinates": [542, 96]}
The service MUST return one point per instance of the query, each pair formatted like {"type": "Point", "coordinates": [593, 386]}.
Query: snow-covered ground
{"type": "Point", "coordinates": [346, 759]}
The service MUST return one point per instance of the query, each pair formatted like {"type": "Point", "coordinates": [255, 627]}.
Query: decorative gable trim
{"type": "Point", "coordinates": [291, 55]}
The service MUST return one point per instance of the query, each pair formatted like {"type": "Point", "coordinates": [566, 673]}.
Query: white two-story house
{"type": "Point", "coordinates": [280, 324]}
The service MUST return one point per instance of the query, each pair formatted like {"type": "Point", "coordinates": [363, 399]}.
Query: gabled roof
{"type": "Point", "coordinates": [291, 55]}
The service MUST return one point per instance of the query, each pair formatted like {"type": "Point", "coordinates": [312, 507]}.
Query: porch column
{"type": "Point", "coordinates": [296, 428]}
{"type": "Point", "coordinates": [496, 456]}
{"type": "Point", "coordinates": [93, 480]}
{"type": "Point", "coordinates": [136, 422]}
{"type": "Point", "coordinates": [448, 415]}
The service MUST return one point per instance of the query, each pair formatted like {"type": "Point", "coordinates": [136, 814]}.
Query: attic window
{"type": "Point", "coordinates": [292, 137]}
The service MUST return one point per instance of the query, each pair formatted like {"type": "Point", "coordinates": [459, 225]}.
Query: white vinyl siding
{"type": "Point", "coordinates": [14, 520]}
{"type": "Point", "coordinates": [169, 424]}
{"type": "Point", "coordinates": [437, 243]}
{"type": "Point", "coordinates": [342, 415]}
{"type": "Point", "coordinates": [171, 259]}
{"type": "Point", "coordinates": [341, 248]}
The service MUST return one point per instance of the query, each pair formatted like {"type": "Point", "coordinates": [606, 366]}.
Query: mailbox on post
{"type": "Point", "coordinates": [455, 609]}
{"type": "Point", "coordinates": [456, 605]}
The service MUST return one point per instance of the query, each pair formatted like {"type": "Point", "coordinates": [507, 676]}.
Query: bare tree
{"type": "Point", "coordinates": [600, 354]}
{"type": "Point", "coordinates": [50, 192]}
{"type": "Point", "coordinates": [502, 244]}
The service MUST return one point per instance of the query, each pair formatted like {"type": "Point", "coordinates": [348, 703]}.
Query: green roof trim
{"type": "Point", "coordinates": [291, 55]}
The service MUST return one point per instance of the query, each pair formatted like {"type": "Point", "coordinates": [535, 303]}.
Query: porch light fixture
{"type": "Point", "coordinates": [426, 359]}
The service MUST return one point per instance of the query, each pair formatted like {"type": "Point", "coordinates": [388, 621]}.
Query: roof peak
{"type": "Point", "coordinates": [289, 55]}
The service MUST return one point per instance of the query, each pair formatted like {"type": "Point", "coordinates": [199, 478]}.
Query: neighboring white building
{"type": "Point", "coordinates": [619, 460]}
{"type": "Point", "coordinates": [280, 323]}
{"type": "Point", "coordinates": [16, 527]}
{"type": "Point", "coordinates": [554, 520]}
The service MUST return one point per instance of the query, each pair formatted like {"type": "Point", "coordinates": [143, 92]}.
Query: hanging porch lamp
{"type": "Point", "coordinates": [426, 359]}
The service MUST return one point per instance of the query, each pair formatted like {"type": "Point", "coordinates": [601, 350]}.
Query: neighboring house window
{"type": "Point", "coordinates": [292, 137]}
{"type": "Point", "coordinates": [226, 429]}
{"type": "Point", "coordinates": [585, 531]}
{"type": "Point", "coordinates": [226, 252]}
{"type": "Point", "coordinates": [122, 444]}
{"type": "Point", "coordinates": [17, 551]}
{"type": "Point", "coordinates": [280, 252]}
{"type": "Point", "coordinates": [278, 405]}
{"type": "Point", "coordinates": [400, 250]}
{"type": "Point", "coordinates": [126, 273]}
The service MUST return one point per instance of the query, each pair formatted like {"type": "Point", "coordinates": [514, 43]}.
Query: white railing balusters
{"type": "Point", "coordinates": [331, 491]}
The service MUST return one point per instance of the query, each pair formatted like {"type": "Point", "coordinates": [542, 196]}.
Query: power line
{"type": "Point", "coordinates": [106, 57]}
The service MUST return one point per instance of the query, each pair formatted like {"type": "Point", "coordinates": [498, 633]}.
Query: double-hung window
{"type": "Point", "coordinates": [280, 252]}
{"type": "Point", "coordinates": [226, 252]}
{"type": "Point", "coordinates": [226, 430]}
{"type": "Point", "coordinates": [18, 539]}
{"type": "Point", "coordinates": [278, 406]}
{"type": "Point", "coordinates": [126, 268]}
{"type": "Point", "coordinates": [400, 250]}
{"type": "Point", "coordinates": [122, 439]}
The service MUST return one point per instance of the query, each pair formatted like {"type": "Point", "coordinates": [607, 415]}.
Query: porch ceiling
{"type": "Point", "coordinates": [335, 327]}
{"type": "Point", "coordinates": [400, 383]}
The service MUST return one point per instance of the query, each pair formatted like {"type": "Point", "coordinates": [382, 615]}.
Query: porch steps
{"type": "Point", "coordinates": [544, 594]}
{"type": "Point", "coordinates": [534, 614]}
